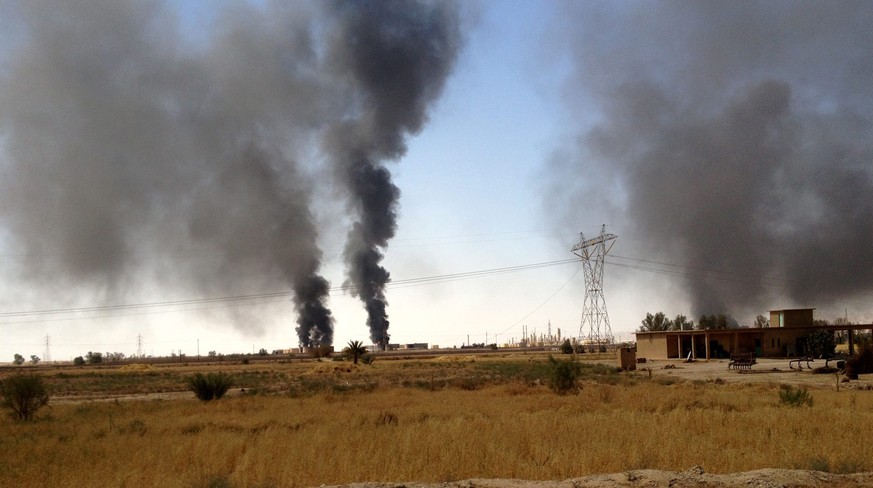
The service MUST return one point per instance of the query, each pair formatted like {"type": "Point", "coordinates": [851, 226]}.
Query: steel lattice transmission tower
{"type": "Point", "coordinates": [47, 353]}
{"type": "Point", "coordinates": [594, 316]}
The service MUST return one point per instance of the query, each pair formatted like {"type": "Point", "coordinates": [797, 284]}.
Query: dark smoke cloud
{"type": "Point", "coordinates": [133, 157]}
{"type": "Point", "coordinates": [396, 57]}
{"type": "Point", "coordinates": [742, 138]}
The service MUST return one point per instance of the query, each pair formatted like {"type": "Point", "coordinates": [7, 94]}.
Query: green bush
{"type": "Point", "coordinates": [822, 343]}
{"type": "Point", "coordinates": [563, 376]}
{"type": "Point", "coordinates": [24, 394]}
{"type": "Point", "coordinates": [208, 387]}
{"type": "Point", "coordinates": [795, 397]}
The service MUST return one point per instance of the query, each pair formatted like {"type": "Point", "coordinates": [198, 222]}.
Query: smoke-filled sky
{"type": "Point", "coordinates": [232, 176]}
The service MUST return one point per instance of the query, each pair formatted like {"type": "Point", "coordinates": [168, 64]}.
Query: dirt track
{"type": "Point", "coordinates": [693, 477]}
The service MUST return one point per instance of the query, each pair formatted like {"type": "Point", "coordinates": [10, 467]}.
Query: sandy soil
{"type": "Point", "coordinates": [765, 371]}
{"type": "Point", "coordinates": [693, 477]}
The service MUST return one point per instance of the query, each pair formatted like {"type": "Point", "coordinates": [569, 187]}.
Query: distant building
{"type": "Point", "coordinates": [798, 317]}
{"type": "Point", "coordinates": [787, 335]}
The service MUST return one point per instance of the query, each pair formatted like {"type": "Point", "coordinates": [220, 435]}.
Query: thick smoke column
{"type": "Point", "coordinates": [741, 135]}
{"type": "Point", "coordinates": [135, 160]}
{"type": "Point", "coordinates": [396, 55]}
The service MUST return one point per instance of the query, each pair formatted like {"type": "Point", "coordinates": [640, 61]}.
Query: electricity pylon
{"type": "Point", "coordinates": [594, 316]}
{"type": "Point", "coordinates": [47, 353]}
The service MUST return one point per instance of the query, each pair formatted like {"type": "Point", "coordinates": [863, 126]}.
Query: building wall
{"type": "Point", "coordinates": [773, 342]}
{"type": "Point", "coordinates": [652, 346]}
{"type": "Point", "coordinates": [801, 317]}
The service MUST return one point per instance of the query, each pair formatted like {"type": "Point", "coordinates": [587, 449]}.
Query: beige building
{"type": "Point", "coordinates": [787, 336]}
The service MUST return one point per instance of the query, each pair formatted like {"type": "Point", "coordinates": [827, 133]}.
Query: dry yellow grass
{"type": "Point", "coordinates": [511, 430]}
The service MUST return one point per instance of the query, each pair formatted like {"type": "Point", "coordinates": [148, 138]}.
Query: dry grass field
{"type": "Point", "coordinates": [426, 419]}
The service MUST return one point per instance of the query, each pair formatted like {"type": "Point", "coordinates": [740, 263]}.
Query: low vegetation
{"type": "Point", "coordinates": [435, 419]}
{"type": "Point", "coordinates": [795, 396]}
{"type": "Point", "coordinates": [211, 386]}
{"type": "Point", "coordinates": [563, 376]}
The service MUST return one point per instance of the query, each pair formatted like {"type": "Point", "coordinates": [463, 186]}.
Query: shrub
{"type": "Point", "coordinates": [79, 361]}
{"type": "Point", "coordinates": [861, 363]}
{"type": "Point", "coordinates": [822, 344]}
{"type": "Point", "coordinates": [563, 376]}
{"type": "Point", "coordinates": [208, 387]}
{"type": "Point", "coordinates": [566, 347]}
{"type": "Point", "coordinates": [321, 351]}
{"type": "Point", "coordinates": [819, 463]}
{"type": "Point", "coordinates": [795, 397]}
{"type": "Point", "coordinates": [24, 394]}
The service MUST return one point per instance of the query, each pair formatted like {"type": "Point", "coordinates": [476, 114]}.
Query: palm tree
{"type": "Point", "coordinates": [356, 349]}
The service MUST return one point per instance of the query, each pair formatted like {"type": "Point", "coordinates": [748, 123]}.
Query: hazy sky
{"type": "Point", "coordinates": [193, 159]}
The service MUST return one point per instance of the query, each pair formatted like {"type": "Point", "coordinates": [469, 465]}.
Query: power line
{"type": "Point", "coordinates": [198, 304]}
{"type": "Point", "coordinates": [250, 299]}
{"type": "Point", "coordinates": [541, 305]}
{"type": "Point", "coordinates": [699, 272]}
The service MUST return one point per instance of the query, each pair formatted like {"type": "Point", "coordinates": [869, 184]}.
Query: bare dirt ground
{"type": "Point", "coordinates": [693, 477]}
{"type": "Point", "coordinates": [765, 371]}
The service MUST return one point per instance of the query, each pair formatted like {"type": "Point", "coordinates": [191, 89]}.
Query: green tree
{"type": "Point", "coordinates": [17, 359]}
{"type": "Point", "coordinates": [822, 344]}
{"type": "Point", "coordinates": [94, 357]}
{"type": "Point", "coordinates": [706, 322]}
{"type": "Point", "coordinates": [761, 322]}
{"type": "Point", "coordinates": [653, 323]}
{"type": "Point", "coordinates": [79, 361]}
{"type": "Point", "coordinates": [566, 347]}
{"type": "Point", "coordinates": [34, 359]}
{"type": "Point", "coordinates": [114, 357]}
{"type": "Point", "coordinates": [355, 350]}
{"type": "Point", "coordinates": [722, 321]}
{"type": "Point", "coordinates": [681, 322]}
{"type": "Point", "coordinates": [24, 394]}
{"type": "Point", "coordinates": [262, 352]}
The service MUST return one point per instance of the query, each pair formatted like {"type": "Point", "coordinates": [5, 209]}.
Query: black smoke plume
{"type": "Point", "coordinates": [396, 56]}
{"type": "Point", "coordinates": [139, 154]}
{"type": "Point", "coordinates": [740, 137]}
